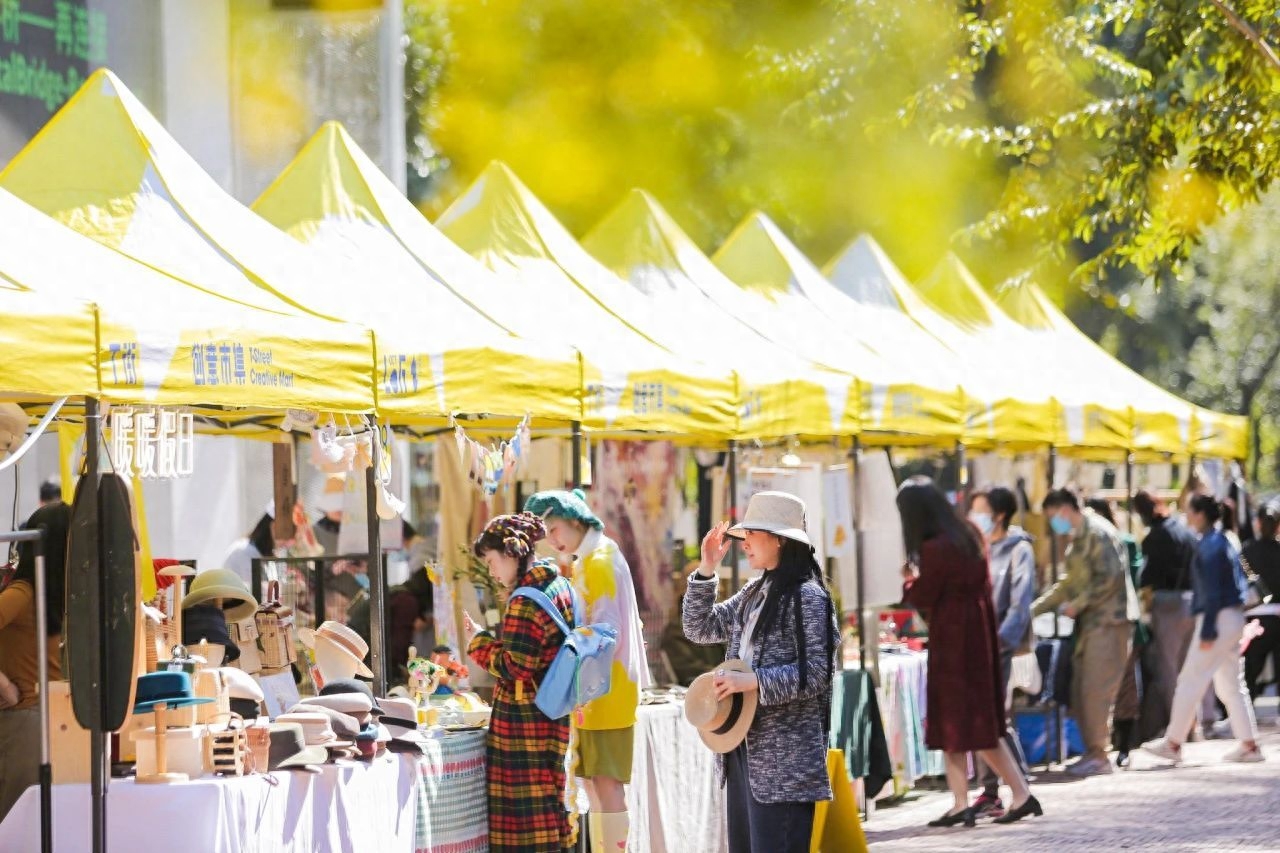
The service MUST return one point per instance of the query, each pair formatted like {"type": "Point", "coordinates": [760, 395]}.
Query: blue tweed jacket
{"type": "Point", "coordinates": [787, 741]}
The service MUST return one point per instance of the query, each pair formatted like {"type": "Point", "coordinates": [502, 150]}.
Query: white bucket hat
{"type": "Point", "coordinates": [779, 513]}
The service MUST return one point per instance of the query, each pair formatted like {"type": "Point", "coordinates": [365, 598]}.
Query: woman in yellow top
{"type": "Point", "coordinates": [606, 727]}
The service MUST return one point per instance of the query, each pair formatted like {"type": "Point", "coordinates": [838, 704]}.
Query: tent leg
{"type": "Point", "coordinates": [98, 777]}
{"type": "Point", "coordinates": [859, 569]}
{"type": "Point", "coordinates": [962, 476]}
{"type": "Point", "coordinates": [377, 577]}
{"type": "Point", "coordinates": [1128, 490]}
{"type": "Point", "coordinates": [1053, 540]}
{"type": "Point", "coordinates": [732, 463]}
{"type": "Point", "coordinates": [577, 454]}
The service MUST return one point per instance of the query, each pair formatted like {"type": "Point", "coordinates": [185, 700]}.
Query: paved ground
{"type": "Point", "coordinates": [1202, 805]}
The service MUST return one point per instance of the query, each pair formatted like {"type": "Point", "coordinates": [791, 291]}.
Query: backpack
{"type": "Point", "coordinates": [582, 668]}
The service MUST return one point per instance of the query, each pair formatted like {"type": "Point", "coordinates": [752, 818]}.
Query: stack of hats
{"type": "Point", "coordinates": [244, 691]}
{"type": "Point", "coordinates": [355, 699]}
{"type": "Point", "coordinates": [317, 730]}
{"type": "Point", "coordinates": [401, 722]}
{"type": "Point", "coordinates": [289, 749]}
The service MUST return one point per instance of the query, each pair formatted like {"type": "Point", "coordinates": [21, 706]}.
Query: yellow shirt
{"type": "Point", "coordinates": [603, 580]}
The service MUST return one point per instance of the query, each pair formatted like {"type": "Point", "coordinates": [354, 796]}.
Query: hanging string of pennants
{"type": "Point", "coordinates": [491, 467]}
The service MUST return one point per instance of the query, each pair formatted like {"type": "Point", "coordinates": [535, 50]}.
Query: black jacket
{"type": "Point", "coordinates": [1167, 554]}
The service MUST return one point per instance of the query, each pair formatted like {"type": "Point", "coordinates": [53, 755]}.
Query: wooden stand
{"type": "Point", "coordinates": [161, 777]}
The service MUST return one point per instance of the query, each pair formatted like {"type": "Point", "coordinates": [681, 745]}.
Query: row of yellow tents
{"type": "Point", "coordinates": [335, 294]}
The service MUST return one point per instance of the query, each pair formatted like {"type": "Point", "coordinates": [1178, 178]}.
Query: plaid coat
{"type": "Point", "coordinates": [526, 750]}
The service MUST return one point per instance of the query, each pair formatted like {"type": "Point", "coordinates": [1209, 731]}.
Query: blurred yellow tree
{"type": "Point", "coordinates": [703, 105]}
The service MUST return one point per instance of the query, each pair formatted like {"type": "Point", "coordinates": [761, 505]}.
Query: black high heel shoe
{"type": "Point", "coordinates": [964, 816]}
{"type": "Point", "coordinates": [1027, 809]}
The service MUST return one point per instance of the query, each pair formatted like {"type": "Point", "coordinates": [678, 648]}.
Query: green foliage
{"type": "Point", "coordinates": [426, 48]}
{"type": "Point", "coordinates": [1212, 335]}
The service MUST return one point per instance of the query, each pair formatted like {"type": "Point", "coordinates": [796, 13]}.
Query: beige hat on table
{"type": "Point", "coordinates": [779, 513]}
{"type": "Point", "coordinates": [721, 723]}
{"type": "Point", "coordinates": [226, 585]}
{"type": "Point", "coordinates": [344, 638]}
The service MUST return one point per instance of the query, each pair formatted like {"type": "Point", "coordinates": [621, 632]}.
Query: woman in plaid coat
{"type": "Point", "coordinates": [526, 750]}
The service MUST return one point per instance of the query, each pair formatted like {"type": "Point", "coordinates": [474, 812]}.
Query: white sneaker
{"type": "Point", "coordinates": [1243, 755]}
{"type": "Point", "coordinates": [1163, 749]}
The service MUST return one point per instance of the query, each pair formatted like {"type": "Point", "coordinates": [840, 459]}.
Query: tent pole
{"type": "Point", "coordinates": [962, 476]}
{"type": "Point", "coordinates": [1053, 539]}
{"type": "Point", "coordinates": [732, 463]}
{"type": "Point", "coordinates": [859, 571]}
{"type": "Point", "coordinates": [1128, 490]}
{"type": "Point", "coordinates": [377, 575]}
{"type": "Point", "coordinates": [98, 777]}
{"type": "Point", "coordinates": [577, 454]}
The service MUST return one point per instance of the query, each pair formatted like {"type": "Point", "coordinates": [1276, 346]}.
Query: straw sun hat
{"type": "Point", "coordinates": [779, 513]}
{"type": "Point", "coordinates": [342, 639]}
{"type": "Point", "coordinates": [721, 723]}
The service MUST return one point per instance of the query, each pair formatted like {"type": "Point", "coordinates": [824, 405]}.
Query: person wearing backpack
{"type": "Point", "coordinates": [525, 753]}
{"type": "Point", "coordinates": [606, 726]}
{"type": "Point", "coordinates": [782, 641]}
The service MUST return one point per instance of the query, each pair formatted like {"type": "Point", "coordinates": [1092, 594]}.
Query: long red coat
{"type": "Point", "coordinates": [965, 708]}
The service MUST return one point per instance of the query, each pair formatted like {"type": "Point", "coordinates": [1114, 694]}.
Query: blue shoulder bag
{"type": "Point", "coordinates": [583, 667]}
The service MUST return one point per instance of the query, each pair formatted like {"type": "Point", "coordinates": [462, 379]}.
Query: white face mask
{"type": "Point", "coordinates": [983, 521]}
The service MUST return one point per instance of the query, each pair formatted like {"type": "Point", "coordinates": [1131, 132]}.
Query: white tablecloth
{"type": "Point", "coordinates": [349, 808]}
{"type": "Point", "coordinates": [676, 804]}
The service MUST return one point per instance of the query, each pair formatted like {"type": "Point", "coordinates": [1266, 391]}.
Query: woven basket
{"type": "Point", "coordinates": [226, 750]}
{"type": "Point", "coordinates": [275, 630]}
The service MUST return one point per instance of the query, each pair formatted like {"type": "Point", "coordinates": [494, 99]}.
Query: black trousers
{"type": "Point", "coordinates": [756, 827]}
{"type": "Point", "coordinates": [1260, 648]}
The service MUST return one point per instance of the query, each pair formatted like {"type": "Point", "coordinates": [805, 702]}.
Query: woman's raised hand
{"type": "Point", "coordinates": [714, 546]}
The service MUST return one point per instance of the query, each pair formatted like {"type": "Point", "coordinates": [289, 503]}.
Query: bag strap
{"type": "Point", "coordinates": [544, 601]}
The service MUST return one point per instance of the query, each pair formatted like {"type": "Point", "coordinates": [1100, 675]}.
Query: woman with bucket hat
{"type": "Point", "coordinates": [965, 696]}
{"type": "Point", "coordinates": [525, 753]}
{"type": "Point", "coordinates": [606, 727]}
{"type": "Point", "coordinates": [767, 710]}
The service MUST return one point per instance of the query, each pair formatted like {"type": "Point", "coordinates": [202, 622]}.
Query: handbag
{"type": "Point", "coordinates": [1256, 593]}
{"type": "Point", "coordinates": [582, 668]}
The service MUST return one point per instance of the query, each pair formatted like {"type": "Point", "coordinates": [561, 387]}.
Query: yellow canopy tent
{"type": "Point", "coordinates": [1159, 422]}
{"type": "Point", "coordinates": [908, 395]}
{"type": "Point", "coordinates": [162, 342]}
{"type": "Point", "coordinates": [50, 346]}
{"type": "Point", "coordinates": [1221, 436]}
{"type": "Point", "coordinates": [104, 166]}
{"type": "Point", "coordinates": [548, 285]}
{"type": "Point", "coordinates": [335, 200]}
{"type": "Point", "coordinates": [788, 395]}
{"type": "Point", "coordinates": [1005, 404]}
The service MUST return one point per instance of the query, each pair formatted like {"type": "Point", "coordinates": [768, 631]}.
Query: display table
{"type": "Point", "coordinates": [426, 804]}
{"type": "Point", "coordinates": [452, 800]}
{"type": "Point", "coordinates": [676, 804]}
{"type": "Point", "coordinates": [344, 808]}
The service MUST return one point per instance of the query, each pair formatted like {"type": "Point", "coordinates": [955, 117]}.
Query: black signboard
{"type": "Point", "coordinates": [46, 49]}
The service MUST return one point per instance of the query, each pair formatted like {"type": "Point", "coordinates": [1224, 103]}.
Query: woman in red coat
{"type": "Point", "coordinates": [964, 705]}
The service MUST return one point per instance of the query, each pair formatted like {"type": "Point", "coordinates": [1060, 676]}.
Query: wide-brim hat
{"type": "Point", "coordinates": [317, 729]}
{"type": "Point", "coordinates": [562, 504]}
{"type": "Point", "coordinates": [721, 723]}
{"type": "Point", "coordinates": [223, 584]}
{"type": "Point", "coordinates": [779, 513]}
{"type": "Point", "coordinates": [344, 686]}
{"type": "Point", "coordinates": [170, 688]}
{"type": "Point", "coordinates": [289, 750]}
{"type": "Point", "coordinates": [404, 729]}
{"type": "Point", "coordinates": [342, 639]}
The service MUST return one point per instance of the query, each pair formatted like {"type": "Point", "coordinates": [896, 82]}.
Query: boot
{"type": "Point", "coordinates": [609, 832]}
{"type": "Point", "coordinates": [1123, 737]}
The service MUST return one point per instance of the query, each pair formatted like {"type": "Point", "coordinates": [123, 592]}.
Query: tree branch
{"type": "Point", "coordinates": [1245, 29]}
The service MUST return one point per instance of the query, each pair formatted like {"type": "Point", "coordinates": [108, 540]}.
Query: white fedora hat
{"type": "Point", "coordinates": [779, 513]}
{"type": "Point", "coordinates": [721, 723]}
{"type": "Point", "coordinates": [347, 641]}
